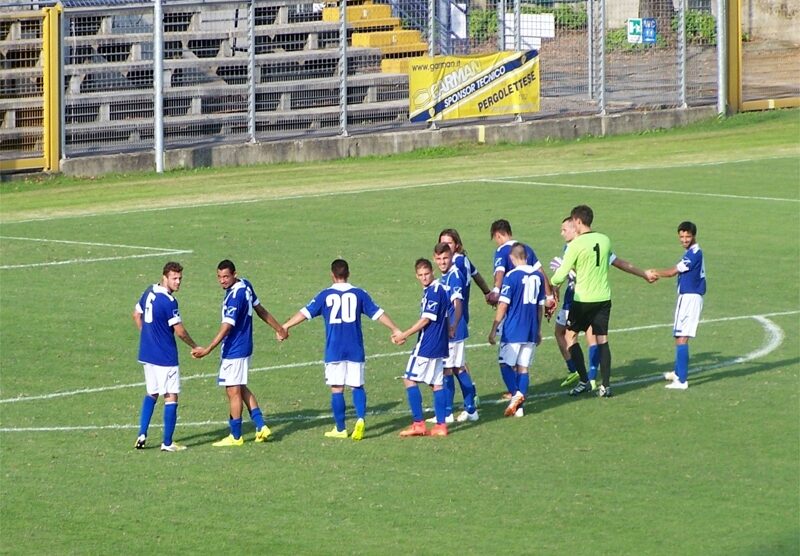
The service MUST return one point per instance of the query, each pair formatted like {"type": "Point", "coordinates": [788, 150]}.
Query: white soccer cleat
{"type": "Point", "coordinates": [670, 376]}
{"type": "Point", "coordinates": [519, 412]}
{"type": "Point", "coordinates": [677, 385]}
{"type": "Point", "coordinates": [174, 447]}
{"type": "Point", "coordinates": [140, 442]}
{"type": "Point", "coordinates": [464, 416]}
{"type": "Point", "coordinates": [448, 419]}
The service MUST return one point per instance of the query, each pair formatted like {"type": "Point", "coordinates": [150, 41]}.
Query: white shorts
{"type": "Point", "coordinates": [161, 380]}
{"type": "Point", "coordinates": [561, 317]}
{"type": "Point", "coordinates": [233, 372]}
{"type": "Point", "coordinates": [455, 357]}
{"type": "Point", "coordinates": [516, 354]}
{"type": "Point", "coordinates": [344, 373]}
{"type": "Point", "coordinates": [424, 369]}
{"type": "Point", "coordinates": [687, 315]}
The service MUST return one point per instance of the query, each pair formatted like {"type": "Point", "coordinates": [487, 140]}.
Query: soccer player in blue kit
{"type": "Point", "coordinates": [468, 272]}
{"type": "Point", "coordinates": [157, 317]}
{"type": "Point", "coordinates": [426, 363]}
{"type": "Point", "coordinates": [691, 273]}
{"type": "Point", "coordinates": [236, 335]}
{"type": "Point", "coordinates": [341, 306]}
{"type": "Point", "coordinates": [520, 308]}
{"type": "Point", "coordinates": [502, 235]}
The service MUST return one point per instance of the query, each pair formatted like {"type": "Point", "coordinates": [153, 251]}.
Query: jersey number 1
{"type": "Point", "coordinates": [596, 250]}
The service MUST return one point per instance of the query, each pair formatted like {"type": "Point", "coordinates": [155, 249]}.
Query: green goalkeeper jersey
{"type": "Point", "coordinates": [588, 254]}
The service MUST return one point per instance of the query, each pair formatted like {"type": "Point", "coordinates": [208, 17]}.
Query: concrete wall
{"type": "Point", "coordinates": [329, 148]}
{"type": "Point", "coordinates": [772, 19]}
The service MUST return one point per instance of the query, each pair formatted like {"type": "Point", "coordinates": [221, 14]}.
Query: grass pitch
{"type": "Point", "coordinates": [713, 470]}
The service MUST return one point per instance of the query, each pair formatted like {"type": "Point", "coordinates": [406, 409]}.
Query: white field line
{"type": "Point", "coordinates": [773, 339]}
{"type": "Point", "coordinates": [401, 188]}
{"type": "Point", "coordinates": [639, 190]}
{"type": "Point", "coordinates": [370, 357]}
{"type": "Point", "coordinates": [160, 252]}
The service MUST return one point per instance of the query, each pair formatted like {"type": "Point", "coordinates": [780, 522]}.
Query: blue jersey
{"type": "Point", "coordinates": [342, 305]}
{"type": "Point", "coordinates": [237, 310]}
{"type": "Point", "coordinates": [502, 257]}
{"type": "Point", "coordinates": [453, 282]}
{"type": "Point", "coordinates": [160, 313]}
{"type": "Point", "coordinates": [432, 340]}
{"type": "Point", "coordinates": [692, 271]}
{"type": "Point", "coordinates": [467, 270]}
{"type": "Point", "coordinates": [523, 292]}
{"type": "Point", "coordinates": [569, 295]}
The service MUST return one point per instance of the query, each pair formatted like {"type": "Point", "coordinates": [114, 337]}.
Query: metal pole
{"type": "Point", "coordinates": [501, 25]}
{"type": "Point", "coordinates": [722, 56]}
{"type": "Point", "coordinates": [62, 125]}
{"type": "Point", "coordinates": [343, 68]}
{"type": "Point", "coordinates": [517, 26]}
{"type": "Point", "coordinates": [602, 84]}
{"type": "Point", "coordinates": [682, 50]}
{"type": "Point", "coordinates": [590, 41]}
{"type": "Point", "coordinates": [251, 72]}
{"type": "Point", "coordinates": [431, 27]}
{"type": "Point", "coordinates": [158, 84]}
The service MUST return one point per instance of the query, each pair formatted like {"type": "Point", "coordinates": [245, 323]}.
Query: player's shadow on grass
{"type": "Point", "coordinates": [291, 422]}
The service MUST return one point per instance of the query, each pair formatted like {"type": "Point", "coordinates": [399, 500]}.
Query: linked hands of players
{"type": "Point", "coordinates": [199, 352]}
{"type": "Point", "coordinates": [651, 275]}
{"type": "Point", "coordinates": [492, 298]}
{"type": "Point", "coordinates": [281, 334]}
{"type": "Point", "coordinates": [492, 338]}
{"type": "Point", "coordinates": [555, 263]}
{"type": "Point", "coordinates": [397, 338]}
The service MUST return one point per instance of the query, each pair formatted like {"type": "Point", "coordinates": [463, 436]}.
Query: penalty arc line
{"type": "Point", "coordinates": [773, 339]}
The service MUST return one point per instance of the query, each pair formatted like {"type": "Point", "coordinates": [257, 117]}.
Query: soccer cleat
{"type": "Point", "coordinates": [581, 388]}
{"type": "Point", "coordinates": [417, 428]}
{"type": "Point", "coordinates": [262, 434]}
{"type": "Point", "coordinates": [670, 376]}
{"type": "Point", "coordinates": [604, 392]}
{"type": "Point", "coordinates": [439, 430]}
{"type": "Point", "coordinates": [514, 404]}
{"type": "Point", "coordinates": [334, 433]}
{"type": "Point", "coordinates": [677, 385]}
{"type": "Point", "coordinates": [358, 430]}
{"type": "Point", "coordinates": [519, 412]}
{"type": "Point", "coordinates": [572, 377]}
{"type": "Point", "coordinates": [464, 416]}
{"type": "Point", "coordinates": [174, 447]}
{"type": "Point", "coordinates": [448, 419]}
{"type": "Point", "coordinates": [507, 395]}
{"type": "Point", "coordinates": [230, 441]}
{"type": "Point", "coordinates": [593, 385]}
{"type": "Point", "coordinates": [140, 442]}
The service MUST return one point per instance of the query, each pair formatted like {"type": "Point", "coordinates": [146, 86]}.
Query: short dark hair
{"type": "Point", "coordinates": [567, 219]}
{"type": "Point", "coordinates": [340, 269]}
{"type": "Point", "coordinates": [687, 226]}
{"type": "Point", "coordinates": [227, 264]}
{"type": "Point", "coordinates": [171, 266]}
{"type": "Point", "coordinates": [518, 251]}
{"type": "Point", "coordinates": [442, 247]}
{"type": "Point", "coordinates": [423, 262]}
{"type": "Point", "coordinates": [502, 225]}
{"type": "Point", "coordinates": [583, 213]}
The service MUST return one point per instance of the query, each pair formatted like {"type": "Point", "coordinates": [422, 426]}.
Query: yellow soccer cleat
{"type": "Point", "coordinates": [333, 433]}
{"type": "Point", "coordinates": [358, 430]}
{"type": "Point", "coordinates": [262, 434]}
{"type": "Point", "coordinates": [230, 441]}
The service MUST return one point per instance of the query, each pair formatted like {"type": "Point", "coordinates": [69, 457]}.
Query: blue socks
{"type": "Point", "coordinates": [467, 390]}
{"type": "Point", "coordinates": [170, 419]}
{"type": "Point", "coordinates": [257, 417]}
{"type": "Point", "coordinates": [440, 405]}
{"type": "Point", "coordinates": [338, 406]}
{"type": "Point", "coordinates": [415, 402]}
{"type": "Point", "coordinates": [236, 427]}
{"type": "Point", "coordinates": [509, 377]}
{"type": "Point", "coordinates": [360, 402]}
{"type": "Point", "coordinates": [523, 381]}
{"type": "Point", "coordinates": [148, 405]}
{"type": "Point", "coordinates": [450, 388]}
{"type": "Point", "coordinates": [594, 361]}
{"type": "Point", "coordinates": [682, 361]}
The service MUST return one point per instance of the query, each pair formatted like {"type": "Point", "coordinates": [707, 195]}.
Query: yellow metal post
{"type": "Point", "coordinates": [51, 53]}
{"type": "Point", "coordinates": [735, 55]}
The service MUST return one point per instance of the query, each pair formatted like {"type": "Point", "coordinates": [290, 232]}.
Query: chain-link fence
{"type": "Point", "coordinates": [237, 71]}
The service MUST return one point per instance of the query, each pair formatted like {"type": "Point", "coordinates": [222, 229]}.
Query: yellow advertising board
{"type": "Point", "coordinates": [451, 87]}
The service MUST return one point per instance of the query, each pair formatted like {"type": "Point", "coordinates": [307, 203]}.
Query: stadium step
{"type": "Point", "coordinates": [355, 13]}
{"type": "Point", "coordinates": [384, 39]}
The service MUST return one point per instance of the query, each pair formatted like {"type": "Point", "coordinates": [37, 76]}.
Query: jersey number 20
{"type": "Point", "coordinates": [343, 308]}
